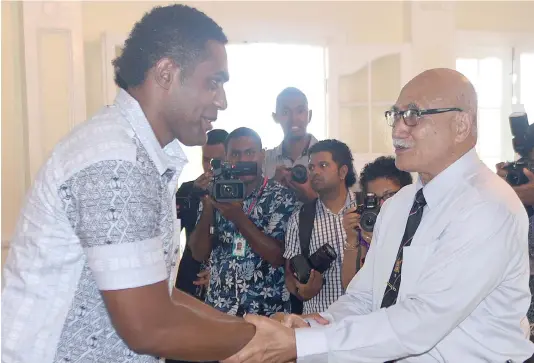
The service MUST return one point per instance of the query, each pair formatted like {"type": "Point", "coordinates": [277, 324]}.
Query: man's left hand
{"type": "Point", "coordinates": [525, 192]}
{"type": "Point", "coordinates": [231, 211]}
{"type": "Point", "coordinates": [272, 343]}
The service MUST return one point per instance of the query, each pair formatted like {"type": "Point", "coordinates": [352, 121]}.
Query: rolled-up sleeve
{"type": "Point", "coordinates": [114, 208]}
{"type": "Point", "coordinates": [292, 242]}
{"type": "Point", "coordinates": [449, 290]}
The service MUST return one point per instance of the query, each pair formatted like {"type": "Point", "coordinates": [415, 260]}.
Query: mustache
{"type": "Point", "coordinates": [402, 143]}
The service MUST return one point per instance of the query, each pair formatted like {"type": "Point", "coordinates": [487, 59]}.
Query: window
{"type": "Point", "coordinates": [486, 74]}
{"type": "Point", "coordinates": [258, 72]}
{"type": "Point", "coordinates": [526, 83]}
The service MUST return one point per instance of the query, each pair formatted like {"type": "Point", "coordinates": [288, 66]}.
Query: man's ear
{"type": "Point", "coordinates": [343, 171]}
{"type": "Point", "coordinates": [309, 115]}
{"type": "Point", "coordinates": [464, 126]}
{"type": "Point", "coordinates": [166, 72]}
{"type": "Point", "coordinates": [275, 118]}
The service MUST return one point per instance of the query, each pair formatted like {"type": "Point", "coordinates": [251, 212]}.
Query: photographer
{"type": "Point", "coordinates": [521, 179]}
{"type": "Point", "coordinates": [381, 178]}
{"type": "Point", "coordinates": [244, 240]}
{"type": "Point", "coordinates": [331, 174]}
{"type": "Point", "coordinates": [190, 278]}
{"type": "Point", "coordinates": [293, 115]}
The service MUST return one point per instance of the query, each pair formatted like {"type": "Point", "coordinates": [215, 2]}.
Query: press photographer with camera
{"type": "Point", "coordinates": [187, 201]}
{"type": "Point", "coordinates": [287, 163]}
{"type": "Point", "coordinates": [315, 235]}
{"type": "Point", "coordinates": [241, 229]}
{"type": "Point", "coordinates": [520, 176]}
{"type": "Point", "coordinates": [379, 181]}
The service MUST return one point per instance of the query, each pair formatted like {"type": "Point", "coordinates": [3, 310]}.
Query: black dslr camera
{"type": "Point", "coordinates": [368, 212]}
{"type": "Point", "coordinates": [523, 143]}
{"type": "Point", "coordinates": [226, 187]}
{"type": "Point", "coordinates": [319, 261]}
{"type": "Point", "coordinates": [299, 174]}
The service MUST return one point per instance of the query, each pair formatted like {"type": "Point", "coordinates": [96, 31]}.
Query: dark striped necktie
{"type": "Point", "coordinates": [416, 213]}
{"type": "Point", "coordinates": [393, 286]}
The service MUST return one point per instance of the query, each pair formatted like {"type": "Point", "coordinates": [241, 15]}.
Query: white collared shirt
{"type": "Point", "coordinates": [464, 289]}
{"type": "Point", "coordinates": [99, 216]}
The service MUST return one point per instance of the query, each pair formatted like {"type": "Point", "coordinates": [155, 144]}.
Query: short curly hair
{"type": "Point", "coordinates": [383, 167]}
{"type": "Point", "coordinates": [341, 155]}
{"type": "Point", "coordinates": [178, 32]}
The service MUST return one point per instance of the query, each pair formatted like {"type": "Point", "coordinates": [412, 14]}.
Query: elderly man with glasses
{"type": "Point", "coordinates": [446, 276]}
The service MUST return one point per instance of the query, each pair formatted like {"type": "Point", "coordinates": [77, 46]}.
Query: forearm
{"type": "Point", "coordinates": [268, 248]}
{"type": "Point", "coordinates": [349, 267]}
{"type": "Point", "coordinates": [193, 331]}
{"type": "Point", "coordinates": [200, 241]}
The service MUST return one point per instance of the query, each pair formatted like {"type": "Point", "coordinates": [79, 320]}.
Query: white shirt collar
{"type": "Point", "coordinates": [171, 157]}
{"type": "Point", "coordinates": [437, 189]}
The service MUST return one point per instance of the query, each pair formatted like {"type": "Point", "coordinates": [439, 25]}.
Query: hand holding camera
{"type": "Point", "coordinates": [231, 211]}
{"type": "Point", "coordinates": [310, 289]}
{"type": "Point", "coordinates": [203, 181]}
{"type": "Point", "coordinates": [351, 223]}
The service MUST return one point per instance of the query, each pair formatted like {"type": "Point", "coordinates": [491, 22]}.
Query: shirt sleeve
{"type": "Point", "coordinates": [114, 208]}
{"type": "Point", "coordinates": [282, 208]}
{"type": "Point", "coordinates": [292, 243]}
{"type": "Point", "coordinates": [449, 289]}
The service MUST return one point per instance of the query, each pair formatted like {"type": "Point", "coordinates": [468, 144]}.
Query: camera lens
{"type": "Point", "coordinates": [228, 191]}
{"type": "Point", "coordinates": [368, 220]}
{"type": "Point", "coordinates": [299, 174]}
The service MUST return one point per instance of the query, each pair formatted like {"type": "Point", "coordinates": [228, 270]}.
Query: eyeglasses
{"type": "Point", "coordinates": [411, 117]}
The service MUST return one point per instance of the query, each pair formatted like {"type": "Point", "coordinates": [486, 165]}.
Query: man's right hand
{"type": "Point", "coordinates": [282, 174]}
{"type": "Point", "coordinates": [203, 181]}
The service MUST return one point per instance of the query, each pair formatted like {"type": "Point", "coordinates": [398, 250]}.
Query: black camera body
{"type": "Point", "coordinates": [368, 212]}
{"type": "Point", "coordinates": [226, 185]}
{"type": "Point", "coordinates": [320, 261]}
{"type": "Point", "coordinates": [299, 174]}
{"type": "Point", "coordinates": [523, 143]}
{"type": "Point", "coordinates": [514, 171]}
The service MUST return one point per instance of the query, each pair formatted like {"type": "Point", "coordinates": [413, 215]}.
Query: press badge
{"type": "Point", "coordinates": [240, 245]}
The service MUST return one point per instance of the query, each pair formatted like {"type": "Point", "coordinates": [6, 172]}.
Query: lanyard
{"type": "Point", "coordinates": [260, 192]}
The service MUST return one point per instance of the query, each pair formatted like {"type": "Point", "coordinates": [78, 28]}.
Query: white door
{"type": "Point", "coordinates": [364, 82]}
{"type": "Point", "coordinates": [55, 75]}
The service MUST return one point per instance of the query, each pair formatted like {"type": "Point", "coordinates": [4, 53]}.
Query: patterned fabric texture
{"type": "Point", "coordinates": [250, 284]}
{"type": "Point", "coordinates": [100, 216]}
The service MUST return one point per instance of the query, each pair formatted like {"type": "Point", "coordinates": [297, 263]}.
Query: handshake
{"type": "Point", "coordinates": [274, 341]}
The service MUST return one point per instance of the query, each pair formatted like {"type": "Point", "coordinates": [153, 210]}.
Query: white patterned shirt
{"type": "Point", "coordinates": [327, 228]}
{"type": "Point", "coordinates": [99, 216]}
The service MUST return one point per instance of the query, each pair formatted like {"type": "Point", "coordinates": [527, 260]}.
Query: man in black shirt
{"type": "Point", "coordinates": [190, 279]}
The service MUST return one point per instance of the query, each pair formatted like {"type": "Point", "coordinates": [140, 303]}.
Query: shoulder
{"type": "Point", "coordinates": [279, 191]}
{"type": "Point", "coordinates": [106, 137]}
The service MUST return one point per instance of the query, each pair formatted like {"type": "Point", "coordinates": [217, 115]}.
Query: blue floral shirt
{"type": "Point", "coordinates": [250, 284]}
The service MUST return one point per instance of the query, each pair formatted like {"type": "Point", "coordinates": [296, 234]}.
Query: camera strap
{"type": "Point", "coordinates": [306, 222]}
{"type": "Point", "coordinates": [258, 195]}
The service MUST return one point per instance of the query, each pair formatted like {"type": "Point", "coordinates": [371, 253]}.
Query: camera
{"type": "Point", "coordinates": [319, 261]}
{"type": "Point", "coordinates": [368, 212]}
{"type": "Point", "coordinates": [299, 174]}
{"type": "Point", "coordinates": [523, 143]}
{"type": "Point", "coordinates": [226, 187]}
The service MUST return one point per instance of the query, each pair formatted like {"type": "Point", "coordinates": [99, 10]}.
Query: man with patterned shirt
{"type": "Point", "coordinates": [246, 250]}
{"type": "Point", "coordinates": [332, 174]}
{"type": "Point", "coordinates": [87, 276]}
